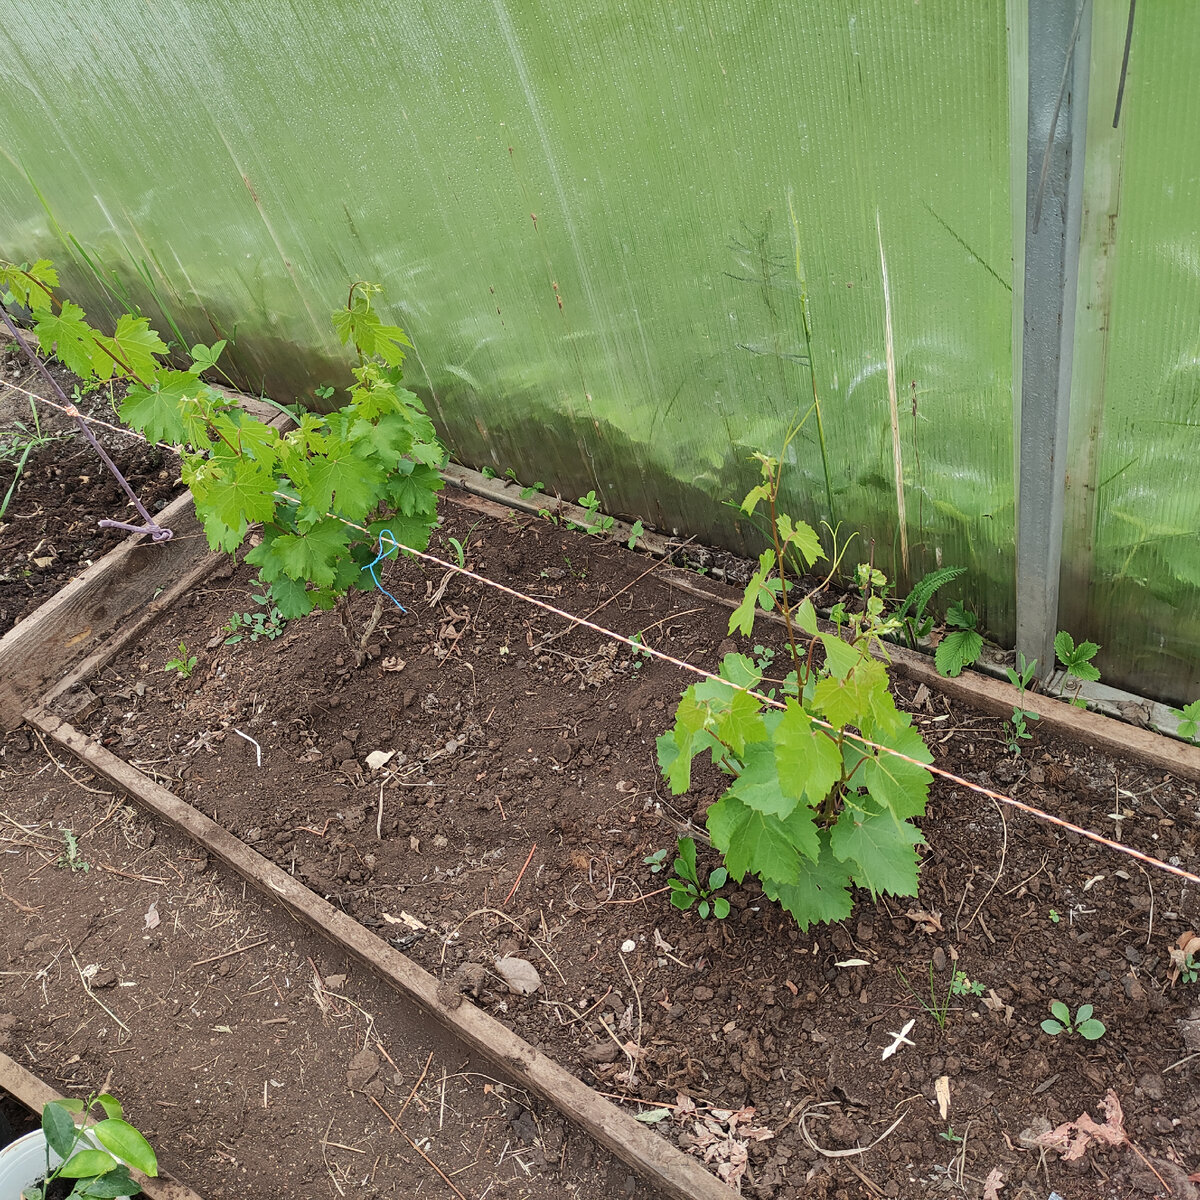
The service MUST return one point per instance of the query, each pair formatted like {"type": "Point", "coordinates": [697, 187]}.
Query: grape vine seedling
{"type": "Point", "coordinates": [324, 495]}
{"type": "Point", "coordinates": [1084, 1023]}
{"type": "Point", "coordinates": [812, 809]}
{"type": "Point", "coordinates": [687, 889]}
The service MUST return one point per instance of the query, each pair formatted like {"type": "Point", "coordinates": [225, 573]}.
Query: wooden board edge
{"type": "Point", "coordinates": [36, 1094]}
{"type": "Point", "coordinates": [994, 696]}
{"type": "Point", "coordinates": [676, 1175]}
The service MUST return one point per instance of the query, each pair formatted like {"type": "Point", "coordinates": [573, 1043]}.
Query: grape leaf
{"type": "Point", "coordinates": [802, 536]}
{"type": "Point", "coordinates": [361, 325]}
{"type": "Point", "coordinates": [758, 592]}
{"type": "Point", "coordinates": [759, 786]}
{"type": "Point", "coordinates": [234, 491]}
{"type": "Point", "coordinates": [133, 345]}
{"type": "Point", "coordinates": [413, 489]}
{"type": "Point", "coordinates": [156, 411]}
{"type": "Point", "coordinates": [894, 783]}
{"type": "Point", "coordinates": [846, 701]}
{"type": "Point", "coordinates": [806, 758]}
{"type": "Point", "coordinates": [67, 335]}
{"type": "Point", "coordinates": [291, 597]}
{"type": "Point", "coordinates": [840, 657]}
{"type": "Point", "coordinates": [221, 536]}
{"type": "Point", "coordinates": [342, 480]}
{"type": "Point", "coordinates": [821, 892]}
{"type": "Point", "coordinates": [310, 555]}
{"type": "Point", "coordinates": [754, 841]}
{"type": "Point", "coordinates": [879, 850]}
{"type": "Point", "coordinates": [734, 715]}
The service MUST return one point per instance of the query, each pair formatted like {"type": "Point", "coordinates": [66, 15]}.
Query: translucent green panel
{"type": "Point", "coordinates": [589, 214]}
{"type": "Point", "coordinates": [1131, 548]}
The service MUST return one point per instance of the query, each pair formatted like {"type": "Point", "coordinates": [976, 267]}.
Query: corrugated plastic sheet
{"type": "Point", "coordinates": [1132, 540]}
{"type": "Point", "coordinates": [596, 218]}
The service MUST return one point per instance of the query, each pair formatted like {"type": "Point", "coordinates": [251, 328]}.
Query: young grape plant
{"type": "Point", "coordinates": [322, 495]}
{"type": "Point", "coordinates": [816, 805]}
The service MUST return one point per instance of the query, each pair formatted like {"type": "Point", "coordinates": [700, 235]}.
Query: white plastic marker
{"type": "Point", "coordinates": [899, 1039]}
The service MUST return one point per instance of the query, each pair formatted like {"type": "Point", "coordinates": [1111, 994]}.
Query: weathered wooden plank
{"type": "Point", "coordinates": [35, 1094]}
{"type": "Point", "coordinates": [675, 1174]}
{"type": "Point", "coordinates": [994, 696]}
{"type": "Point", "coordinates": [35, 651]}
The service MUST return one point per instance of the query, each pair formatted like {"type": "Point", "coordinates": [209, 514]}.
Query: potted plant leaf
{"type": "Point", "coordinates": [64, 1161]}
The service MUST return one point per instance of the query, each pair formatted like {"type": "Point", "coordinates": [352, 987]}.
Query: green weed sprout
{"type": "Point", "coordinates": [1077, 662]}
{"type": "Point", "coordinates": [1084, 1024]}
{"type": "Point", "coordinates": [687, 889]}
{"type": "Point", "coordinates": [183, 664]}
{"type": "Point", "coordinates": [962, 645]}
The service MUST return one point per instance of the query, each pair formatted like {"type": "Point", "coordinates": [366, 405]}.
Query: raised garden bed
{"type": "Point", "coordinates": [522, 797]}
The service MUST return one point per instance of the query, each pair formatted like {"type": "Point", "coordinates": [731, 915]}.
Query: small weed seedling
{"type": "Point", "coordinates": [1185, 958]}
{"type": "Point", "coordinates": [17, 444]}
{"type": "Point", "coordinates": [938, 1004]}
{"type": "Point", "coordinates": [688, 890]}
{"type": "Point", "coordinates": [598, 522]}
{"type": "Point", "coordinates": [1077, 662]}
{"type": "Point", "coordinates": [184, 664]}
{"type": "Point", "coordinates": [71, 858]}
{"type": "Point", "coordinates": [961, 644]}
{"type": "Point", "coordinates": [323, 393]}
{"type": "Point", "coordinates": [89, 1171]}
{"type": "Point", "coordinates": [635, 531]}
{"type": "Point", "coordinates": [656, 861]}
{"type": "Point", "coordinates": [268, 624]}
{"type": "Point", "coordinates": [1189, 715]}
{"type": "Point", "coordinates": [460, 553]}
{"type": "Point", "coordinates": [640, 657]}
{"type": "Point", "coordinates": [487, 472]}
{"type": "Point", "coordinates": [1084, 1023]}
{"type": "Point", "coordinates": [1055, 916]}
{"type": "Point", "coordinates": [1020, 679]}
{"type": "Point", "coordinates": [960, 985]}
{"type": "Point", "coordinates": [948, 1135]}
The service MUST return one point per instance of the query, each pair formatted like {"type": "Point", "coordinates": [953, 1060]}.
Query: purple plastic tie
{"type": "Point", "coordinates": [156, 531]}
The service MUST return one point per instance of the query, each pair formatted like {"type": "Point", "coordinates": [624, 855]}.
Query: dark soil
{"type": "Point", "coordinates": [49, 531]}
{"type": "Point", "coordinates": [522, 798]}
{"type": "Point", "coordinates": [256, 1060]}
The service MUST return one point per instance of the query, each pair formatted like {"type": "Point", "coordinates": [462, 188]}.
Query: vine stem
{"type": "Point", "coordinates": [785, 608]}
{"type": "Point", "coordinates": [156, 531]}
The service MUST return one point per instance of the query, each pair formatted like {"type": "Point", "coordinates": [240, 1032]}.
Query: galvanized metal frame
{"type": "Point", "coordinates": [1059, 63]}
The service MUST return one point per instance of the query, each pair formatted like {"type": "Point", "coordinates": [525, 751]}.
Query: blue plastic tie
{"type": "Point", "coordinates": [378, 559]}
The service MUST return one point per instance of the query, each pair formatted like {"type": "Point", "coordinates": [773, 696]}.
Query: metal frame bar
{"type": "Point", "coordinates": [1059, 62]}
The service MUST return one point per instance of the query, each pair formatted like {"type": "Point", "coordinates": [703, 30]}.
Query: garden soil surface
{"type": "Point", "coordinates": [258, 1060]}
{"type": "Point", "coordinates": [49, 531]}
{"type": "Point", "coordinates": [513, 817]}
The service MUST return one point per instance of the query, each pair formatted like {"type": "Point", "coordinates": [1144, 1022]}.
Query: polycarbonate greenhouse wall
{"type": "Point", "coordinates": [617, 230]}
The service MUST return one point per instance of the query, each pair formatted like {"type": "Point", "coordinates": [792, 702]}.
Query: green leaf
{"type": "Point", "coordinates": [1061, 1011]}
{"type": "Point", "coordinates": [20, 281]}
{"type": "Point", "coordinates": [204, 358]}
{"type": "Point", "coordinates": [156, 411]}
{"type": "Point", "coordinates": [1092, 1030]}
{"type": "Point", "coordinates": [127, 1144]}
{"type": "Point", "coordinates": [717, 878]}
{"type": "Point", "coordinates": [878, 849]}
{"type": "Point", "coordinates": [67, 335]}
{"type": "Point", "coordinates": [682, 897]}
{"type": "Point", "coordinates": [703, 910]}
{"type": "Point", "coordinates": [760, 786]}
{"type": "Point", "coordinates": [960, 617]}
{"type": "Point", "coordinates": [894, 784]}
{"type": "Point", "coordinates": [291, 597]}
{"type": "Point", "coordinates": [806, 758]}
{"type": "Point", "coordinates": [86, 1164]}
{"type": "Point", "coordinates": [757, 842]}
{"type": "Point", "coordinates": [802, 536]}
{"type": "Point", "coordinates": [740, 671]}
{"type": "Point", "coordinates": [361, 325]}
{"type": "Point", "coordinates": [414, 492]}
{"type": "Point", "coordinates": [805, 617]}
{"type": "Point", "coordinates": [821, 891]}
{"type": "Point", "coordinates": [59, 1129]}
{"type": "Point", "coordinates": [685, 864]}
{"type": "Point", "coordinates": [343, 481]}
{"type": "Point", "coordinates": [850, 700]}
{"type": "Point", "coordinates": [311, 555]}
{"type": "Point", "coordinates": [117, 1182]}
{"type": "Point", "coordinates": [1053, 1028]}
{"type": "Point", "coordinates": [1085, 1011]}
{"type": "Point", "coordinates": [237, 490]}
{"type": "Point", "coordinates": [135, 344]}
{"type": "Point", "coordinates": [110, 1104]}
{"type": "Point", "coordinates": [840, 657]}
{"type": "Point", "coordinates": [957, 650]}
{"type": "Point", "coordinates": [1189, 720]}
{"type": "Point", "coordinates": [720, 907]}
{"type": "Point", "coordinates": [758, 593]}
